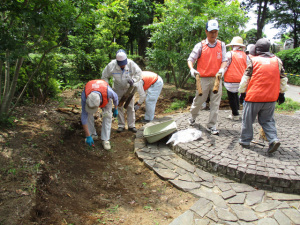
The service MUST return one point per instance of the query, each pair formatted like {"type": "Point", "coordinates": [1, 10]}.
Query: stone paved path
{"type": "Point", "coordinates": [216, 169]}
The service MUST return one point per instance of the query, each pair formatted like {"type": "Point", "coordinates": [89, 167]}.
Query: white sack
{"type": "Point", "coordinates": [184, 136]}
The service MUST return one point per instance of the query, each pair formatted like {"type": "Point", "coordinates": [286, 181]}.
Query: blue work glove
{"type": "Point", "coordinates": [130, 81]}
{"type": "Point", "coordinates": [242, 98]}
{"type": "Point", "coordinates": [115, 112]}
{"type": "Point", "coordinates": [136, 107]}
{"type": "Point", "coordinates": [281, 98]}
{"type": "Point", "coordinates": [89, 140]}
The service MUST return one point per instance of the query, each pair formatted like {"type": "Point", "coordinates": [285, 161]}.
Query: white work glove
{"type": "Point", "coordinates": [220, 73]}
{"type": "Point", "coordinates": [194, 72]}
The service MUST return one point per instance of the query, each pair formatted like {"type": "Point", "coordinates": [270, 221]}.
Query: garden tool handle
{"type": "Point", "coordinates": [198, 84]}
{"type": "Point", "coordinates": [217, 83]}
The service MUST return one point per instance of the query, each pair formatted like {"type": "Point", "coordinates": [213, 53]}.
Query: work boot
{"type": "Point", "coordinates": [273, 146]}
{"type": "Point", "coordinates": [120, 129]}
{"type": "Point", "coordinates": [106, 145]}
{"type": "Point", "coordinates": [132, 129]}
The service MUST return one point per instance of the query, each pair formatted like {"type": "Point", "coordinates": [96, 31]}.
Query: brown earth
{"type": "Point", "coordinates": [50, 176]}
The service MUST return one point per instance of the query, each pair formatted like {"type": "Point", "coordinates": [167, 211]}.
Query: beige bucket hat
{"type": "Point", "coordinates": [238, 41]}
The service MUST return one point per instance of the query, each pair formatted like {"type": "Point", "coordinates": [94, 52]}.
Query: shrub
{"type": "Point", "coordinates": [289, 105]}
{"type": "Point", "coordinates": [291, 60]}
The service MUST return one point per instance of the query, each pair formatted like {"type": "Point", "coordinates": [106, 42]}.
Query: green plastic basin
{"type": "Point", "coordinates": [158, 131]}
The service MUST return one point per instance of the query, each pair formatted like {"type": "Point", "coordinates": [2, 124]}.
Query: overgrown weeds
{"type": "Point", "coordinates": [289, 105]}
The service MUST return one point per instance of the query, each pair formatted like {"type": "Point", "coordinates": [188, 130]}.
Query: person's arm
{"type": "Point", "coordinates": [136, 71]}
{"type": "Point", "coordinates": [141, 92]}
{"type": "Point", "coordinates": [112, 95]}
{"type": "Point", "coordinates": [224, 60]}
{"type": "Point", "coordinates": [84, 115]}
{"type": "Point", "coordinates": [283, 77]}
{"type": "Point", "coordinates": [106, 74]}
{"type": "Point", "coordinates": [193, 57]}
{"type": "Point", "coordinates": [190, 65]}
{"type": "Point", "coordinates": [228, 59]}
{"type": "Point", "coordinates": [246, 78]}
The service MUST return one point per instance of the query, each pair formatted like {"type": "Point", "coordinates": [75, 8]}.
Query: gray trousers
{"type": "Point", "coordinates": [106, 122]}
{"type": "Point", "coordinates": [207, 84]}
{"type": "Point", "coordinates": [265, 115]}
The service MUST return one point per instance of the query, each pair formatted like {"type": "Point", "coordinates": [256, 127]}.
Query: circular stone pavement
{"type": "Point", "coordinates": [223, 155]}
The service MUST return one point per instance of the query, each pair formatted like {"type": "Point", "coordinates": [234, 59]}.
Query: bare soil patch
{"type": "Point", "coordinates": [50, 176]}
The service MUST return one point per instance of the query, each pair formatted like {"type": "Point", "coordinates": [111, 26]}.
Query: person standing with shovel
{"type": "Point", "coordinates": [211, 61]}
{"type": "Point", "coordinates": [126, 74]}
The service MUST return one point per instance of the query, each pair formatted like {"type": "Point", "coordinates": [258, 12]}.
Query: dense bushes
{"type": "Point", "coordinates": [291, 60]}
{"type": "Point", "coordinates": [291, 64]}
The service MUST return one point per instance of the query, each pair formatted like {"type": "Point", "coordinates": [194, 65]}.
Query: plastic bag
{"type": "Point", "coordinates": [184, 136]}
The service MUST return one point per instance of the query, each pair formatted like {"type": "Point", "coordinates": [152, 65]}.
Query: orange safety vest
{"type": "Point", "coordinates": [149, 78]}
{"type": "Point", "coordinates": [236, 68]}
{"type": "Point", "coordinates": [264, 85]}
{"type": "Point", "coordinates": [210, 60]}
{"type": "Point", "coordinates": [100, 86]}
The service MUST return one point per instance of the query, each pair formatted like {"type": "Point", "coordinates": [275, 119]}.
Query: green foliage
{"type": "Point", "coordinates": [6, 121]}
{"type": "Point", "coordinates": [291, 60]}
{"type": "Point", "coordinates": [285, 17]}
{"type": "Point", "coordinates": [177, 104]}
{"type": "Point", "coordinates": [179, 25]}
{"type": "Point", "coordinates": [289, 105]}
{"type": "Point", "coordinates": [294, 79]}
{"type": "Point", "coordinates": [141, 13]}
{"type": "Point", "coordinates": [30, 30]}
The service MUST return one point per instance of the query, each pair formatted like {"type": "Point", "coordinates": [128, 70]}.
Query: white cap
{"type": "Point", "coordinates": [121, 57]}
{"type": "Point", "coordinates": [212, 25]}
{"type": "Point", "coordinates": [92, 102]}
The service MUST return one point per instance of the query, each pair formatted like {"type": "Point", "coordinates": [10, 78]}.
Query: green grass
{"type": "Point", "coordinates": [289, 106]}
{"type": "Point", "coordinates": [177, 104]}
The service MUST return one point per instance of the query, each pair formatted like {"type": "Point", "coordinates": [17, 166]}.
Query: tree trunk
{"type": "Point", "coordinates": [295, 31]}
{"type": "Point", "coordinates": [261, 17]}
{"type": "Point", "coordinates": [6, 83]}
{"type": "Point", "coordinates": [14, 83]}
{"type": "Point", "coordinates": [174, 76]}
{"type": "Point", "coordinates": [142, 45]}
{"type": "Point", "coordinates": [1, 64]}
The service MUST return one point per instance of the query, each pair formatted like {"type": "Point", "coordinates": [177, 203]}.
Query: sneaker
{"type": "Point", "coordinates": [212, 130]}
{"type": "Point", "coordinates": [235, 118]}
{"type": "Point", "coordinates": [120, 129]}
{"type": "Point", "coordinates": [192, 121]}
{"type": "Point", "coordinates": [273, 146]}
{"type": "Point", "coordinates": [132, 129]}
{"type": "Point", "coordinates": [94, 136]}
{"type": "Point", "coordinates": [106, 145]}
{"type": "Point", "coordinates": [145, 121]}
